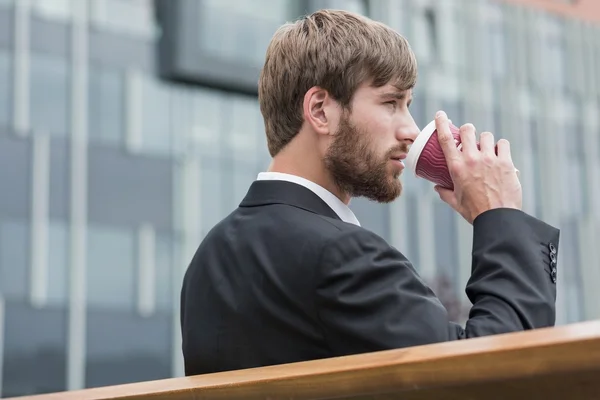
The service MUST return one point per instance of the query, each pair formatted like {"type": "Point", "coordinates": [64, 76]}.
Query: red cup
{"type": "Point", "coordinates": [426, 157]}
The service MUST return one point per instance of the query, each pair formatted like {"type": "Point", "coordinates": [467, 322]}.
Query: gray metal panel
{"type": "Point", "coordinates": [59, 179]}
{"type": "Point", "coordinates": [6, 29]}
{"type": "Point", "coordinates": [121, 51]}
{"type": "Point", "coordinates": [128, 191]}
{"type": "Point", "coordinates": [183, 59]}
{"type": "Point", "coordinates": [15, 172]}
{"type": "Point", "coordinates": [49, 37]}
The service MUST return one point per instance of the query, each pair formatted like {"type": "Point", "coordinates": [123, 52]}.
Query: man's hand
{"type": "Point", "coordinates": [482, 179]}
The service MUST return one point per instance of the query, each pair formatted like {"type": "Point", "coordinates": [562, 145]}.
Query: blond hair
{"type": "Point", "coordinates": [334, 50]}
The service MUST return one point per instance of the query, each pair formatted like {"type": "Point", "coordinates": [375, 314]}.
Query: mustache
{"type": "Point", "coordinates": [401, 148]}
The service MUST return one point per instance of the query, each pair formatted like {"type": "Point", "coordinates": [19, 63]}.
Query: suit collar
{"type": "Point", "coordinates": [266, 192]}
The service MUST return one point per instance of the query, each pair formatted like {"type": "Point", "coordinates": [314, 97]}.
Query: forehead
{"type": "Point", "coordinates": [389, 90]}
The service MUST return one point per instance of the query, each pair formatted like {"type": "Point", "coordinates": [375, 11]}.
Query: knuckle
{"type": "Point", "coordinates": [505, 163]}
{"type": "Point", "coordinates": [467, 127]}
{"type": "Point", "coordinates": [455, 169]}
{"type": "Point", "coordinates": [444, 138]}
{"type": "Point", "coordinates": [471, 160]}
{"type": "Point", "coordinates": [487, 135]}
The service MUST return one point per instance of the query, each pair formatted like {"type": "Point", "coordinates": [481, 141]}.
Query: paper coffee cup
{"type": "Point", "coordinates": [426, 158]}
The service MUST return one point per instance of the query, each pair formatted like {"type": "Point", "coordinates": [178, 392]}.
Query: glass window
{"type": "Point", "coordinates": [58, 263]}
{"type": "Point", "coordinates": [35, 342]}
{"type": "Point", "coordinates": [156, 116]}
{"type": "Point", "coordinates": [14, 259]}
{"type": "Point", "coordinates": [164, 271]}
{"type": "Point", "coordinates": [53, 9]}
{"type": "Point", "coordinates": [49, 94]}
{"type": "Point", "coordinates": [455, 111]}
{"type": "Point", "coordinates": [554, 50]}
{"type": "Point", "coordinates": [574, 172]}
{"type": "Point", "coordinates": [208, 120]}
{"type": "Point", "coordinates": [111, 267]}
{"type": "Point", "coordinates": [495, 49]}
{"type": "Point", "coordinates": [412, 228]}
{"type": "Point", "coordinates": [5, 88]}
{"type": "Point", "coordinates": [446, 243]}
{"type": "Point", "coordinates": [241, 30]}
{"type": "Point", "coordinates": [106, 105]}
{"type": "Point", "coordinates": [125, 348]}
{"type": "Point", "coordinates": [5, 3]}
{"type": "Point", "coordinates": [242, 179]}
{"type": "Point", "coordinates": [372, 216]}
{"type": "Point", "coordinates": [536, 161]}
{"type": "Point", "coordinates": [569, 271]}
{"type": "Point", "coordinates": [134, 17]}
{"type": "Point", "coordinates": [356, 6]}
{"type": "Point", "coordinates": [212, 207]}
{"type": "Point", "coordinates": [242, 143]}
{"type": "Point", "coordinates": [417, 110]}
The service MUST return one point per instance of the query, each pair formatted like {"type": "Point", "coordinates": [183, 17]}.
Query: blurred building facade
{"type": "Point", "coordinates": [111, 171]}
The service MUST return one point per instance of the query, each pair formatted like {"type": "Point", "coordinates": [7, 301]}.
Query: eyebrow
{"type": "Point", "coordinates": [398, 96]}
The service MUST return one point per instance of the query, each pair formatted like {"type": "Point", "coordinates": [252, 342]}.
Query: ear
{"type": "Point", "coordinates": [318, 111]}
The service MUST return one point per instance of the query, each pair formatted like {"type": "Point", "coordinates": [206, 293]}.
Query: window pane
{"type": "Point", "coordinates": [165, 248]}
{"type": "Point", "coordinates": [241, 30]}
{"type": "Point", "coordinates": [208, 122]}
{"type": "Point", "coordinates": [241, 143]}
{"type": "Point", "coordinates": [212, 208]}
{"type": "Point", "coordinates": [106, 105]}
{"type": "Point", "coordinates": [569, 272]}
{"type": "Point", "coordinates": [14, 259]}
{"type": "Point", "coordinates": [34, 350]}
{"type": "Point", "coordinates": [5, 88]}
{"type": "Point", "coordinates": [133, 17]}
{"type": "Point", "coordinates": [494, 53]}
{"type": "Point", "coordinates": [53, 9]}
{"type": "Point", "coordinates": [372, 216]}
{"type": "Point", "coordinates": [111, 267]}
{"type": "Point", "coordinates": [125, 348]}
{"type": "Point", "coordinates": [356, 6]}
{"type": "Point", "coordinates": [58, 263]}
{"type": "Point", "coordinates": [49, 94]}
{"type": "Point", "coordinates": [412, 227]}
{"type": "Point", "coordinates": [156, 117]}
{"type": "Point", "coordinates": [446, 243]}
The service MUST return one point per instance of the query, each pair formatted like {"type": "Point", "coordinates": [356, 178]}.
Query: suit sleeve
{"type": "Point", "coordinates": [370, 297]}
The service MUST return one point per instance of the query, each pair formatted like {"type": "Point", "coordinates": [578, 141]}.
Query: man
{"type": "Point", "coordinates": [291, 276]}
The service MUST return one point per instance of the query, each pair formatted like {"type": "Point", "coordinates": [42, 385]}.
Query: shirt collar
{"type": "Point", "coordinates": [338, 206]}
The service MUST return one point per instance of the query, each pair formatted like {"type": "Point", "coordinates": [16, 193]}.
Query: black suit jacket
{"type": "Point", "coordinates": [282, 279]}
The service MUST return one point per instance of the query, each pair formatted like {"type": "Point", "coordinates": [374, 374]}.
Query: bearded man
{"type": "Point", "coordinates": [290, 275]}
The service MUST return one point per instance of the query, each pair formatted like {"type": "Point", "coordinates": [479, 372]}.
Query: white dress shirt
{"type": "Point", "coordinates": [338, 206]}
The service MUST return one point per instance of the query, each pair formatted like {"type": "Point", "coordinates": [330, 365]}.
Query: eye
{"type": "Point", "coordinates": [392, 103]}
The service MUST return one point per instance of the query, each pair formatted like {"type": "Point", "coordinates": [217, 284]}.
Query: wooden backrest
{"type": "Point", "coordinates": [552, 363]}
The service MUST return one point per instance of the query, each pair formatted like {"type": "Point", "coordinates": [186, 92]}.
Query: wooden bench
{"type": "Point", "coordinates": [554, 363]}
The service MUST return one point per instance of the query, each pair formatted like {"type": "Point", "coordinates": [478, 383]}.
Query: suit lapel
{"type": "Point", "coordinates": [262, 193]}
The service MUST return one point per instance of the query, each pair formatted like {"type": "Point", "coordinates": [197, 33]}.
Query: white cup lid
{"type": "Point", "coordinates": [417, 147]}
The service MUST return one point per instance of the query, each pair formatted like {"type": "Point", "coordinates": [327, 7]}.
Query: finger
{"type": "Point", "coordinates": [467, 138]}
{"type": "Point", "coordinates": [446, 195]}
{"type": "Point", "coordinates": [504, 150]}
{"type": "Point", "coordinates": [486, 143]}
{"type": "Point", "coordinates": [445, 137]}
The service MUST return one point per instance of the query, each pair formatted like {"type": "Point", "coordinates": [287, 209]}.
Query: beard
{"type": "Point", "coordinates": [357, 169]}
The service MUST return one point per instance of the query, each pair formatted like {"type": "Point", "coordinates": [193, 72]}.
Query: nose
{"type": "Point", "coordinates": [409, 132]}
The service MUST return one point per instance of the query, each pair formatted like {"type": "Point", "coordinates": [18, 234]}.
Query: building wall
{"type": "Point", "coordinates": [587, 10]}
{"type": "Point", "coordinates": [111, 176]}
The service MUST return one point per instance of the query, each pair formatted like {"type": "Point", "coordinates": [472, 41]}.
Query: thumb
{"type": "Point", "coordinates": [446, 195]}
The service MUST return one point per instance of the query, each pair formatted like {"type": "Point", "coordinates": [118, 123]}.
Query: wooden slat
{"type": "Point", "coordinates": [552, 363]}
